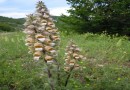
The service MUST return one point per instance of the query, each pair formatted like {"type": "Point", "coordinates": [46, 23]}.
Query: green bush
{"type": "Point", "coordinates": [6, 27]}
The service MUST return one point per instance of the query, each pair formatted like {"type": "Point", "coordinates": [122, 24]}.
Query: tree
{"type": "Point", "coordinates": [115, 15]}
{"type": "Point", "coordinates": [79, 18]}
{"type": "Point", "coordinates": [98, 15]}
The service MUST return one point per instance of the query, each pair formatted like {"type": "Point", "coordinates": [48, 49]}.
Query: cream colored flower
{"type": "Point", "coordinates": [72, 56]}
{"type": "Point", "coordinates": [38, 46]}
{"type": "Point", "coordinates": [37, 55]}
{"type": "Point", "coordinates": [40, 37]}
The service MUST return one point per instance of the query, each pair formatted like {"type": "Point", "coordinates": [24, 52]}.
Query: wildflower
{"type": "Point", "coordinates": [67, 68]}
{"type": "Point", "coordinates": [72, 57]}
{"type": "Point", "coordinates": [42, 35]}
{"type": "Point", "coordinates": [37, 55]}
{"type": "Point", "coordinates": [49, 59]}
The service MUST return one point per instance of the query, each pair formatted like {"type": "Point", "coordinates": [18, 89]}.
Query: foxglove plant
{"type": "Point", "coordinates": [47, 34]}
{"type": "Point", "coordinates": [30, 31]}
{"type": "Point", "coordinates": [72, 58]}
{"type": "Point", "coordinates": [42, 39]}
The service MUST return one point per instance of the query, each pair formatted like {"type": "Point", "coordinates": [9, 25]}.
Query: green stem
{"type": "Point", "coordinates": [49, 76]}
{"type": "Point", "coordinates": [67, 79]}
{"type": "Point", "coordinates": [58, 73]}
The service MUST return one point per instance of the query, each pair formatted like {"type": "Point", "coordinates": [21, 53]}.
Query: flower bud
{"type": "Point", "coordinates": [37, 55]}
{"type": "Point", "coordinates": [55, 37]}
{"type": "Point", "coordinates": [50, 19]}
{"type": "Point", "coordinates": [42, 28]}
{"type": "Point", "coordinates": [46, 15]}
{"type": "Point", "coordinates": [31, 48]}
{"type": "Point", "coordinates": [47, 41]}
{"type": "Point", "coordinates": [28, 44]}
{"type": "Point", "coordinates": [43, 10]}
{"type": "Point", "coordinates": [40, 37]}
{"type": "Point", "coordinates": [48, 48]}
{"type": "Point", "coordinates": [46, 33]}
{"type": "Point", "coordinates": [53, 52]}
{"type": "Point", "coordinates": [30, 40]}
{"type": "Point", "coordinates": [38, 46]}
{"type": "Point", "coordinates": [43, 21]}
{"type": "Point", "coordinates": [76, 66]}
{"type": "Point", "coordinates": [31, 27]}
{"type": "Point", "coordinates": [81, 56]}
{"type": "Point", "coordinates": [50, 62]}
{"type": "Point", "coordinates": [67, 68]}
{"type": "Point", "coordinates": [75, 55]}
{"type": "Point", "coordinates": [43, 24]}
{"type": "Point", "coordinates": [72, 62]}
{"type": "Point", "coordinates": [48, 28]}
{"type": "Point", "coordinates": [28, 31]}
{"type": "Point", "coordinates": [77, 58]}
{"type": "Point", "coordinates": [52, 44]}
{"type": "Point", "coordinates": [39, 14]}
{"type": "Point", "coordinates": [34, 22]}
{"type": "Point", "coordinates": [48, 58]}
{"type": "Point", "coordinates": [77, 49]}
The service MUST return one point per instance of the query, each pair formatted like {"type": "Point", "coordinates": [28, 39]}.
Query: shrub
{"type": "Point", "coordinates": [6, 27]}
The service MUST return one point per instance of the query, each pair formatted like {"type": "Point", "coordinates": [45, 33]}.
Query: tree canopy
{"type": "Point", "coordinates": [97, 16]}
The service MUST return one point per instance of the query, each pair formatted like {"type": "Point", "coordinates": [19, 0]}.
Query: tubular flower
{"type": "Point", "coordinates": [42, 35]}
{"type": "Point", "coordinates": [72, 57]}
{"type": "Point", "coordinates": [30, 32]}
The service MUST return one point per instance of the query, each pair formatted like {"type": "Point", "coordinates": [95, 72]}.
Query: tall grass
{"type": "Point", "coordinates": [107, 66]}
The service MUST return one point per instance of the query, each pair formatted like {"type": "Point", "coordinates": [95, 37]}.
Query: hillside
{"type": "Point", "coordinates": [11, 24]}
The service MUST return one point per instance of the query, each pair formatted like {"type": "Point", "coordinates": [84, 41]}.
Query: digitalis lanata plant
{"type": "Point", "coordinates": [42, 37]}
{"type": "Point", "coordinates": [73, 57]}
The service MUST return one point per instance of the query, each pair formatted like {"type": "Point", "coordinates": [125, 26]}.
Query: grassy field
{"type": "Point", "coordinates": [107, 66]}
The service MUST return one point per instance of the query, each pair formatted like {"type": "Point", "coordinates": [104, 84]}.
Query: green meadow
{"type": "Point", "coordinates": [107, 66]}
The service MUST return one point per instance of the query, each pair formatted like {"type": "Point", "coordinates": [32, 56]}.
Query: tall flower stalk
{"type": "Point", "coordinates": [42, 38]}
{"type": "Point", "coordinates": [72, 58]}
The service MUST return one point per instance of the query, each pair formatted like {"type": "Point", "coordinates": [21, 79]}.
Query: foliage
{"type": "Point", "coordinates": [107, 66]}
{"type": "Point", "coordinates": [97, 16]}
{"type": "Point", "coordinates": [6, 27]}
{"type": "Point", "coordinates": [10, 24]}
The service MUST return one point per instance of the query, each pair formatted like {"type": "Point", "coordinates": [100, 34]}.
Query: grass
{"type": "Point", "coordinates": [107, 66]}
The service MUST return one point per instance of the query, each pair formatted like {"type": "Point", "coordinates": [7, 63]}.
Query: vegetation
{"type": "Point", "coordinates": [102, 63]}
{"type": "Point", "coordinates": [11, 24]}
{"type": "Point", "coordinates": [107, 66]}
{"type": "Point", "coordinates": [97, 16]}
